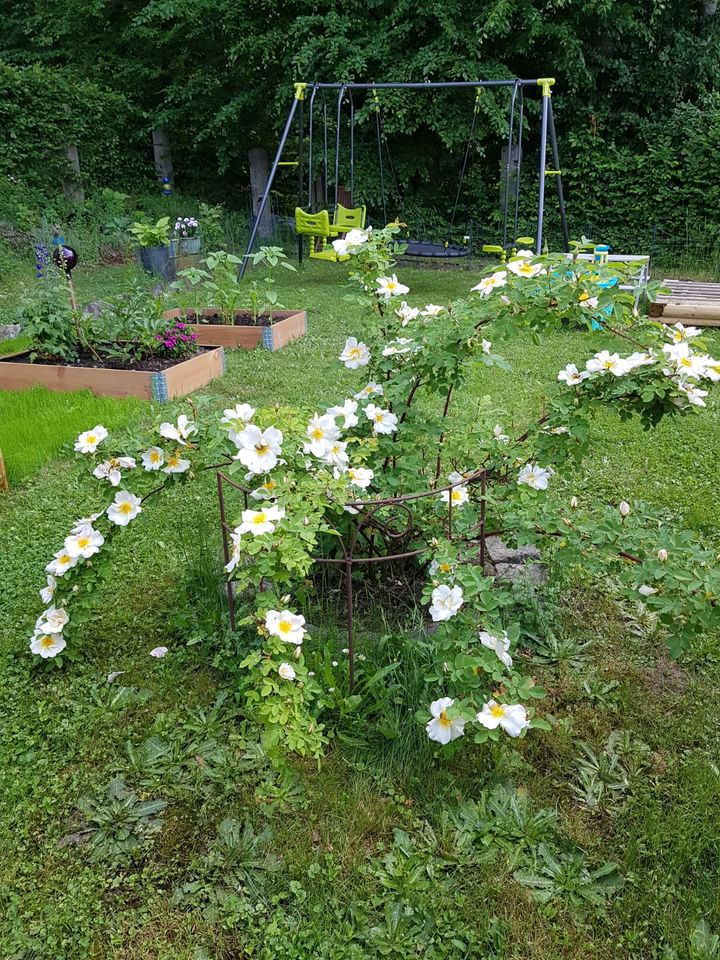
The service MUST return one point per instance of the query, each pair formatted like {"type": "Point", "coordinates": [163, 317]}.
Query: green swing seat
{"type": "Point", "coordinates": [317, 227]}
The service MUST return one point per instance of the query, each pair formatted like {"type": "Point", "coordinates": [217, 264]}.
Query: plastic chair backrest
{"type": "Point", "coordinates": [313, 224]}
{"type": "Point", "coordinates": [349, 218]}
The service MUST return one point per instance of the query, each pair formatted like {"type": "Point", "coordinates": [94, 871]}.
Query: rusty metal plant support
{"type": "Point", "coordinates": [393, 532]}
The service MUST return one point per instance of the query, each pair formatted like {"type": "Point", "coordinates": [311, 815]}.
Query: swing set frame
{"type": "Point", "coordinates": [548, 137]}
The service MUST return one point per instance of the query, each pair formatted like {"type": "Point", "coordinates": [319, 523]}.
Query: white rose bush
{"type": "Point", "coordinates": [312, 478]}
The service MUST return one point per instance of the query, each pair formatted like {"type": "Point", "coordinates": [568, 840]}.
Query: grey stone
{"type": "Point", "coordinates": [9, 330]}
{"type": "Point", "coordinates": [514, 564]}
{"type": "Point", "coordinates": [499, 552]}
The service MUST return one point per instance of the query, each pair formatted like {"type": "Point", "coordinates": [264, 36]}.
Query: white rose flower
{"type": "Point", "coordinates": [390, 287]}
{"type": "Point", "coordinates": [523, 268]}
{"type": "Point", "coordinates": [258, 449]}
{"type": "Point", "coordinates": [238, 417]}
{"type": "Point", "coordinates": [125, 508]}
{"type": "Point", "coordinates": [534, 476]}
{"type": "Point", "coordinates": [407, 313]}
{"type": "Point", "coordinates": [371, 390]}
{"type": "Point", "coordinates": [52, 620]}
{"type": "Point", "coordinates": [572, 376]}
{"type": "Point", "coordinates": [158, 652]}
{"type": "Point", "coordinates": [321, 431]}
{"type": "Point", "coordinates": [360, 477]}
{"type": "Point", "coordinates": [62, 563]}
{"type": "Point", "coordinates": [355, 354]}
{"type": "Point", "coordinates": [259, 522]}
{"type": "Point", "coordinates": [286, 625]}
{"type": "Point", "coordinates": [457, 496]}
{"type": "Point", "coordinates": [605, 362]}
{"type": "Point", "coordinates": [624, 508]}
{"type": "Point", "coordinates": [347, 411]}
{"type": "Point", "coordinates": [85, 543]}
{"type": "Point", "coordinates": [153, 458]}
{"type": "Point", "coordinates": [383, 421]}
{"type": "Point", "coordinates": [286, 671]}
{"type": "Point", "coordinates": [48, 592]}
{"type": "Point", "coordinates": [488, 284]}
{"type": "Point", "coordinates": [662, 554]}
{"type": "Point", "coordinates": [446, 601]}
{"type": "Point", "coordinates": [180, 432]}
{"type": "Point", "coordinates": [431, 310]}
{"type": "Point", "coordinates": [646, 591]}
{"type": "Point", "coordinates": [510, 717]}
{"type": "Point", "coordinates": [47, 645]}
{"type": "Point", "coordinates": [176, 464]}
{"type": "Point", "coordinates": [88, 442]}
{"type": "Point", "coordinates": [110, 470]}
{"type": "Point", "coordinates": [498, 645]}
{"type": "Point", "coordinates": [441, 728]}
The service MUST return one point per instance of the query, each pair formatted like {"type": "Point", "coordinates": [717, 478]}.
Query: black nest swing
{"type": "Point", "coordinates": [418, 246]}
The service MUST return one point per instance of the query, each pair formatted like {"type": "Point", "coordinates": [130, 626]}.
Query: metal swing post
{"type": "Point", "coordinates": [558, 174]}
{"type": "Point", "coordinates": [301, 157]}
{"type": "Point", "coordinates": [546, 84]}
{"type": "Point", "coordinates": [299, 96]}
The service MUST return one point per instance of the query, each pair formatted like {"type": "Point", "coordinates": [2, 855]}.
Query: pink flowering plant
{"type": "Point", "coordinates": [186, 228]}
{"type": "Point", "coordinates": [176, 340]}
{"type": "Point", "coordinates": [313, 480]}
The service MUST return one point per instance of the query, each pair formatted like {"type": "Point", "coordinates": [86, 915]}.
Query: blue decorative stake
{"type": "Point", "coordinates": [167, 187]}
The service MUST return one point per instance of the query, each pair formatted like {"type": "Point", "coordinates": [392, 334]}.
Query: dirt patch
{"type": "Point", "coordinates": [240, 319]}
{"type": "Point", "coordinates": [665, 677]}
{"type": "Point", "coordinates": [151, 364]}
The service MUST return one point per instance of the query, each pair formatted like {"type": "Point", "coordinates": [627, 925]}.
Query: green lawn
{"type": "Point", "coordinates": [347, 884]}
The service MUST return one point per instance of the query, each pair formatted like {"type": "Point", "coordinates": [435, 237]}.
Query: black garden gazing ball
{"type": "Point", "coordinates": [66, 258]}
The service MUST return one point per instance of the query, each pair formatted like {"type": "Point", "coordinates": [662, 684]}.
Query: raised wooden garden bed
{"type": "Point", "coordinates": [17, 373]}
{"type": "Point", "coordinates": [273, 332]}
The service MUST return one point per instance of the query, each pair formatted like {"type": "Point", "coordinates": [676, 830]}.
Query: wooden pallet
{"type": "Point", "coordinates": [689, 302]}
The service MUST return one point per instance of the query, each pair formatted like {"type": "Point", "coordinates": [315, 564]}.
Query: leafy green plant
{"type": "Point", "coordinates": [567, 878]}
{"type": "Point", "coordinates": [48, 319]}
{"type": "Point", "coordinates": [119, 822]}
{"type": "Point", "coordinates": [151, 235]}
{"type": "Point", "coordinates": [262, 294]}
{"type": "Point", "coordinates": [566, 649]}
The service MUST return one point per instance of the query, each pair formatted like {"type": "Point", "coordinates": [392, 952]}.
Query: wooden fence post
{"type": "Point", "coordinates": [163, 155]}
{"type": "Point", "coordinates": [258, 184]}
{"type": "Point", "coordinates": [72, 184]}
{"type": "Point", "coordinates": [4, 485]}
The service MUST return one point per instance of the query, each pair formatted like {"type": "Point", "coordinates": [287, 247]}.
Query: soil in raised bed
{"type": "Point", "coordinates": [150, 364]}
{"type": "Point", "coordinates": [241, 319]}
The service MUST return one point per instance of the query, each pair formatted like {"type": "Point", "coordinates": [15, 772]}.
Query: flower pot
{"type": "Point", "coordinates": [17, 373]}
{"type": "Point", "coordinates": [190, 245]}
{"type": "Point", "coordinates": [285, 326]}
{"type": "Point", "coordinates": [158, 261]}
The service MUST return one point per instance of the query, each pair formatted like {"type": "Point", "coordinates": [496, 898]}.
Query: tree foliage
{"type": "Point", "coordinates": [635, 99]}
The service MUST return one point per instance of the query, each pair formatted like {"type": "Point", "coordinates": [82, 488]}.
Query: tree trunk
{"type": "Point", "coordinates": [258, 185]}
{"type": "Point", "coordinates": [72, 185]}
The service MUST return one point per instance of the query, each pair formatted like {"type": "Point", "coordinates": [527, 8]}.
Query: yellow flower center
{"type": "Point", "coordinates": [444, 568]}
{"type": "Point", "coordinates": [584, 296]}
{"type": "Point", "coordinates": [262, 448]}
{"type": "Point", "coordinates": [64, 558]}
{"type": "Point", "coordinates": [83, 542]}
{"type": "Point", "coordinates": [125, 507]}
{"type": "Point", "coordinates": [685, 362]}
{"type": "Point", "coordinates": [173, 461]}
{"type": "Point", "coordinates": [318, 433]}
{"type": "Point", "coordinates": [354, 352]}
{"type": "Point", "coordinates": [608, 364]}
{"type": "Point", "coordinates": [284, 626]}
{"type": "Point", "coordinates": [47, 641]}
{"type": "Point", "coordinates": [259, 518]}
{"type": "Point", "coordinates": [498, 710]}
{"type": "Point", "coordinates": [443, 720]}
{"type": "Point", "coordinates": [91, 438]}
{"type": "Point", "coordinates": [269, 485]}
{"type": "Point", "coordinates": [155, 457]}
{"type": "Point", "coordinates": [456, 495]}
{"type": "Point", "coordinates": [378, 417]}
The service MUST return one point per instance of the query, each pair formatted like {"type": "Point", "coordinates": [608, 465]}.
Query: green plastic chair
{"type": "Point", "coordinates": [316, 226]}
{"type": "Point", "coordinates": [348, 218]}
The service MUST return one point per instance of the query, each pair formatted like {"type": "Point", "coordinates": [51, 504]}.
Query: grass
{"type": "Point", "coordinates": [69, 732]}
{"type": "Point", "coordinates": [36, 424]}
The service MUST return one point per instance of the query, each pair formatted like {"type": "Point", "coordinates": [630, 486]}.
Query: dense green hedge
{"type": "Point", "coordinates": [44, 109]}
